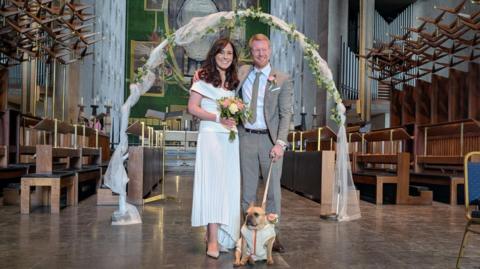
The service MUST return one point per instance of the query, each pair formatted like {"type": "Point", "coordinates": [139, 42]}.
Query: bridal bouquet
{"type": "Point", "coordinates": [234, 108]}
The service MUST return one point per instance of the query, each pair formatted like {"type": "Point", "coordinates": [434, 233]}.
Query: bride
{"type": "Point", "coordinates": [216, 188]}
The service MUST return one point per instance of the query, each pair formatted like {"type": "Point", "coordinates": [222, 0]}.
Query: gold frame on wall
{"type": "Point", "coordinates": [158, 88]}
{"type": "Point", "coordinates": [153, 9]}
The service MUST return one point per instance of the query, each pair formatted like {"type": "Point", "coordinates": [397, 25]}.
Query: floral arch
{"type": "Point", "coordinates": [345, 205]}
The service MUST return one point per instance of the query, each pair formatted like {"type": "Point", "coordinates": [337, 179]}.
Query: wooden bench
{"type": "Point", "coordinates": [145, 163]}
{"type": "Point", "coordinates": [400, 176]}
{"type": "Point", "coordinates": [309, 169]}
{"type": "Point", "coordinates": [384, 161]}
{"type": "Point", "coordinates": [440, 149]}
{"type": "Point", "coordinates": [88, 169]}
{"type": "Point", "coordinates": [9, 173]}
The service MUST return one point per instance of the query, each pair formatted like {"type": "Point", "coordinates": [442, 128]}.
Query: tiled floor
{"type": "Point", "coordinates": [387, 236]}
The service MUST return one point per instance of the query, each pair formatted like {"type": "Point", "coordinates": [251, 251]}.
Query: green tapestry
{"type": "Point", "coordinates": [146, 28]}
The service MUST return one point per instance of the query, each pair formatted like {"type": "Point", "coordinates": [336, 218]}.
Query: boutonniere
{"type": "Point", "coordinates": [272, 79]}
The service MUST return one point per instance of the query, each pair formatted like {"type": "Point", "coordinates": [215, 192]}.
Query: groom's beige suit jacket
{"type": "Point", "coordinates": [277, 102]}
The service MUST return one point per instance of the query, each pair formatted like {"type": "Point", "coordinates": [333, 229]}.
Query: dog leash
{"type": "Point", "coordinates": [264, 201]}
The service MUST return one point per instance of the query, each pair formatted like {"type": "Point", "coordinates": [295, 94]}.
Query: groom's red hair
{"type": "Point", "coordinates": [258, 37]}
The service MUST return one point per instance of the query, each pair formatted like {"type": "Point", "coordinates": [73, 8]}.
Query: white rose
{"type": "Point", "coordinates": [233, 108]}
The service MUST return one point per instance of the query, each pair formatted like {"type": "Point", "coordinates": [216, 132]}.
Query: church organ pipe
{"type": "Point", "coordinates": [349, 73]}
{"type": "Point", "coordinates": [396, 27]}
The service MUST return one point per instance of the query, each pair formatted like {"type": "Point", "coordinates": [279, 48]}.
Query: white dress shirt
{"type": "Point", "coordinates": [260, 123]}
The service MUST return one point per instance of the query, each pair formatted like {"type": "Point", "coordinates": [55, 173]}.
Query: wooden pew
{"type": "Point", "coordinates": [12, 139]}
{"type": "Point", "coordinates": [145, 164]}
{"type": "Point", "coordinates": [387, 164]}
{"type": "Point", "coordinates": [356, 143]}
{"type": "Point", "coordinates": [16, 133]}
{"type": "Point", "coordinates": [89, 172]}
{"type": "Point", "coordinates": [440, 149]}
{"type": "Point", "coordinates": [309, 168]}
{"type": "Point", "coordinates": [9, 171]}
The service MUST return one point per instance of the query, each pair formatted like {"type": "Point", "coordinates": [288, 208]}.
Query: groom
{"type": "Point", "coordinates": [264, 137]}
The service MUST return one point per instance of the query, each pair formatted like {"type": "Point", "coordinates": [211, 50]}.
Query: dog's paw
{"type": "Point", "coordinates": [270, 262]}
{"type": "Point", "coordinates": [237, 263]}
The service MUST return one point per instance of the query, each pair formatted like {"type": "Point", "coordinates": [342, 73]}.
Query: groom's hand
{"type": "Point", "coordinates": [196, 76]}
{"type": "Point", "coordinates": [276, 153]}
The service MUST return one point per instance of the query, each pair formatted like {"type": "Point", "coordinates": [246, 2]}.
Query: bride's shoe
{"type": "Point", "coordinates": [213, 254]}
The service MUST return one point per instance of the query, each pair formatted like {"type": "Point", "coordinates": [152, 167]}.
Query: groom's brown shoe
{"type": "Point", "coordinates": [277, 246]}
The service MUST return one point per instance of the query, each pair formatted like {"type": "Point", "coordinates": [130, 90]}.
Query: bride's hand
{"type": "Point", "coordinates": [229, 123]}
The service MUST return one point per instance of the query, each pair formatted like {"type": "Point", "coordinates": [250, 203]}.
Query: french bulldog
{"type": "Point", "coordinates": [256, 237]}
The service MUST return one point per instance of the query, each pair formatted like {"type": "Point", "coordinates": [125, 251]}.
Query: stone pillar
{"type": "Point", "coordinates": [324, 22]}
{"type": "Point", "coordinates": [337, 14]}
{"type": "Point", "coordinates": [367, 11]}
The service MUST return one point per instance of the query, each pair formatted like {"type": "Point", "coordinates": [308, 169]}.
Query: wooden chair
{"type": "Point", "coordinates": [472, 197]}
{"type": "Point", "coordinates": [55, 181]}
{"type": "Point", "coordinates": [45, 176]}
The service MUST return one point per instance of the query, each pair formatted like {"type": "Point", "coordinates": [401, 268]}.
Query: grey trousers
{"type": "Point", "coordinates": [254, 158]}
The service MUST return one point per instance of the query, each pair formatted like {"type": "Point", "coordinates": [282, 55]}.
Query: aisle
{"type": "Point", "coordinates": [386, 237]}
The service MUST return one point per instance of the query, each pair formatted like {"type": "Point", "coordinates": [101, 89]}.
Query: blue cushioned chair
{"type": "Point", "coordinates": [472, 197]}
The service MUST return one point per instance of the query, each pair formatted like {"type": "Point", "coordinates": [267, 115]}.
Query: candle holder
{"type": "Point", "coordinates": [314, 121]}
{"type": "Point", "coordinates": [107, 120]}
{"type": "Point", "coordinates": [94, 110]}
{"type": "Point", "coordinates": [303, 123]}
{"type": "Point", "coordinates": [81, 113]}
{"type": "Point", "coordinates": [107, 108]}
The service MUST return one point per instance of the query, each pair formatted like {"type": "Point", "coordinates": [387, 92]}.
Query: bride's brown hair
{"type": "Point", "coordinates": [209, 72]}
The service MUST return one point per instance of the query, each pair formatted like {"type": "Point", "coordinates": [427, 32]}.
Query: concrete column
{"type": "Point", "coordinates": [337, 31]}
{"type": "Point", "coordinates": [367, 11]}
{"type": "Point", "coordinates": [324, 22]}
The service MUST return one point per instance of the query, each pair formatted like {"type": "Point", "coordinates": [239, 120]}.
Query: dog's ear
{"type": "Point", "coordinates": [264, 206]}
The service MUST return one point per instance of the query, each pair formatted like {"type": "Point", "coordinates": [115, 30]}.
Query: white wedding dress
{"type": "Point", "coordinates": [216, 186]}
